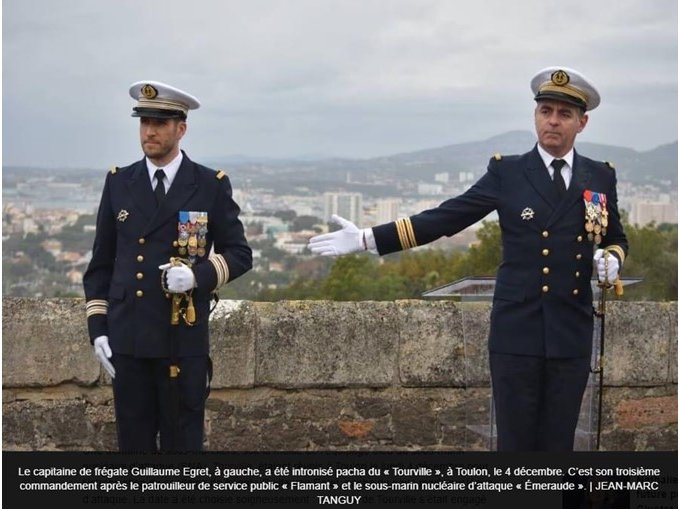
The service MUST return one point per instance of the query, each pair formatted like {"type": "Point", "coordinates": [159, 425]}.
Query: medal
{"type": "Point", "coordinates": [595, 215]}
{"type": "Point", "coordinates": [192, 229]}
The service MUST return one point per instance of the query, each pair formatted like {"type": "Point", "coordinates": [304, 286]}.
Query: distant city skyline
{"type": "Point", "coordinates": [355, 79]}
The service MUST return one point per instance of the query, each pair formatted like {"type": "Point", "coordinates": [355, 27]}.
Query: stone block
{"type": "Point", "coordinates": [452, 417]}
{"type": "Point", "coordinates": [637, 344]}
{"type": "Point", "coordinates": [643, 412]}
{"type": "Point", "coordinates": [432, 347]}
{"type": "Point", "coordinates": [414, 421]}
{"type": "Point", "coordinates": [233, 327]}
{"type": "Point", "coordinates": [48, 425]}
{"type": "Point", "coordinates": [372, 407]}
{"type": "Point", "coordinates": [45, 343]}
{"type": "Point", "coordinates": [672, 311]}
{"type": "Point", "coordinates": [326, 344]}
{"type": "Point", "coordinates": [476, 320]}
{"type": "Point", "coordinates": [318, 405]}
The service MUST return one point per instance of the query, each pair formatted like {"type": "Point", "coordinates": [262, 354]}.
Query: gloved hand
{"type": "Point", "coordinates": [612, 266]}
{"type": "Point", "coordinates": [179, 278]}
{"type": "Point", "coordinates": [103, 352]}
{"type": "Point", "coordinates": [340, 242]}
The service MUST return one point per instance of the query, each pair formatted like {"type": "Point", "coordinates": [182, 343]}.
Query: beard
{"type": "Point", "coordinates": [157, 149]}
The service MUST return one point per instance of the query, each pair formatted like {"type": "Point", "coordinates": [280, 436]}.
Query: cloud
{"type": "Point", "coordinates": [345, 77]}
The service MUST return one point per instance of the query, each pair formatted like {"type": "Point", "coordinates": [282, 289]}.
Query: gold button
{"type": "Point", "coordinates": [167, 295]}
{"type": "Point", "coordinates": [545, 233]}
{"type": "Point", "coordinates": [142, 240]}
{"type": "Point", "coordinates": [545, 252]}
{"type": "Point", "coordinates": [545, 288]}
{"type": "Point", "coordinates": [575, 292]}
{"type": "Point", "coordinates": [140, 258]}
{"type": "Point", "coordinates": [546, 270]}
{"type": "Point", "coordinates": [139, 276]}
{"type": "Point", "coordinates": [578, 273]}
{"type": "Point", "coordinates": [139, 293]}
{"type": "Point", "coordinates": [175, 243]}
{"type": "Point", "coordinates": [579, 238]}
{"type": "Point", "coordinates": [579, 256]}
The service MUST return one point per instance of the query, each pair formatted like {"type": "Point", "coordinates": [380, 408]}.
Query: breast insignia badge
{"type": "Point", "coordinates": [122, 215]}
{"type": "Point", "coordinates": [527, 214]}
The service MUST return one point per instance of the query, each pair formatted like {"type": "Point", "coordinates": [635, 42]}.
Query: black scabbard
{"type": "Point", "coordinates": [600, 313]}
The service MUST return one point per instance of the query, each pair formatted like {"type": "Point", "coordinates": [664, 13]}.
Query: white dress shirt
{"type": "Point", "coordinates": [566, 169]}
{"type": "Point", "coordinates": [170, 171]}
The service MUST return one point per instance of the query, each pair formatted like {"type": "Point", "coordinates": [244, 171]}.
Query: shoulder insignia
{"type": "Point", "coordinates": [497, 156]}
{"type": "Point", "coordinates": [609, 164]}
{"type": "Point", "coordinates": [220, 174]}
{"type": "Point", "coordinates": [114, 169]}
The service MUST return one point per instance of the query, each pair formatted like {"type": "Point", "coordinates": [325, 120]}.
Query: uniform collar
{"type": "Point", "coordinates": [170, 169]}
{"type": "Point", "coordinates": [548, 158]}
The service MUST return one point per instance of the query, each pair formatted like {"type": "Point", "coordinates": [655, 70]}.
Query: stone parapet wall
{"type": "Point", "coordinates": [319, 375]}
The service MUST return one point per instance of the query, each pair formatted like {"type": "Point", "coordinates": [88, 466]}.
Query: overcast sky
{"type": "Point", "coordinates": [349, 78]}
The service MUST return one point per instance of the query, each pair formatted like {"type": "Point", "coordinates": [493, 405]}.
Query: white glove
{"type": "Point", "coordinates": [103, 353]}
{"type": "Point", "coordinates": [179, 278]}
{"type": "Point", "coordinates": [340, 242]}
{"type": "Point", "coordinates": [612, 266]}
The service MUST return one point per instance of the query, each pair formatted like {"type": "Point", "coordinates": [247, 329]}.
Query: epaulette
{"type": "Point", "coordinates": [220, 174]}
{"type": "Point", "coordinates": [609, 164]}
{"type": "Point", "coordinates": [497, 156]}
{"type": "Point", "coordinates": [114, 169]}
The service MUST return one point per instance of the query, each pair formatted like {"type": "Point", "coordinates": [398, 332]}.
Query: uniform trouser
{"type": "Point", "coordinates": [145, 404]}
{"type": "Point", "coordinates": [537, 401]}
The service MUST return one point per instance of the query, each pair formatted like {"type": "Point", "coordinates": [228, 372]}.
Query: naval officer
{"type": "Point", "coordinates": [168, 237]}
{"type": "Point", "coordinates": [558, 215]}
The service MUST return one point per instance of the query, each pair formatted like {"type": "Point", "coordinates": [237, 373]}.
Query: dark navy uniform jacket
{"type": "Point", "coordinates": [543, 300]}
{"type": "Point", "coordinates": [124, 296]}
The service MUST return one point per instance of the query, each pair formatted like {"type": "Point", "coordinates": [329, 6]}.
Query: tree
{"type": "Point", "coordinates": [653, 256]}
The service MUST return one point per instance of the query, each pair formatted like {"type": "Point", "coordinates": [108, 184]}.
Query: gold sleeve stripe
{"type": "Point", "coordinates": [618, 250]}
{"type": "Point", "coordinates": [410, 232]}
{"type": "Point", "coordinates": [96, 307]}
{"type": "Point", "coordinates": [221, 268]}
{"type": "Point", "coordinates": [402, 235]}
{"type": "Point", "coordinates": [405, 232]}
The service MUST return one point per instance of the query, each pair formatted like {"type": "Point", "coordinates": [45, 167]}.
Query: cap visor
{"type": "Point", "coordinates": [158, 114]}
{"type": "Point", "coordinates": [564, 98]}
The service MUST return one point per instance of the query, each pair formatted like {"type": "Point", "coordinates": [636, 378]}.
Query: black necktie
{"type": "Point", "coordinates": [160, 187]}
{"type": "Point", "coordinates": [560, 185]}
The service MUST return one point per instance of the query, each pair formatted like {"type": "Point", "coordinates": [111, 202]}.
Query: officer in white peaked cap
{"type": "Point", "coordinates": [558, 214]}
{"type": "Point", "coordinates": [168, 237]}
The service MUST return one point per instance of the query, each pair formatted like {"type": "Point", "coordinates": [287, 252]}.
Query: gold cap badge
{"type": "Point", "coordinates": [560, 78]}
{"type": "Point", "coordinates": [149, 91]}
